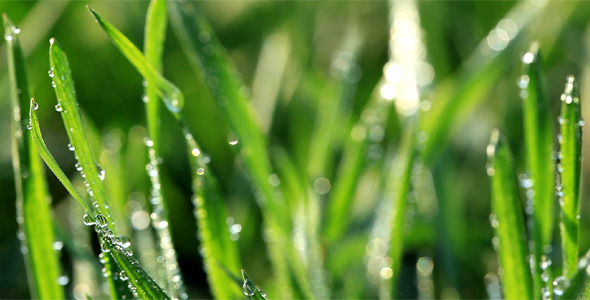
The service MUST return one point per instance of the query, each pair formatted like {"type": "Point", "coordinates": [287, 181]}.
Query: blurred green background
{"type": "Point", "coordinates": [449, 224]}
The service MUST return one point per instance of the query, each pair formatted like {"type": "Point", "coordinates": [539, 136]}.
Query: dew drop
{"type": "Point", "coordinates": [50, 73]}
{"type": "Point", "coordinates": [101, 173]}
{"type": "Point", "coordinates": [560, 120]}
{"type": "Point", "coordinates": [559, 285]}
{"type": "Point", "coordinates": [200, 171]}
{"type": "Point", "coordinates": [523, 81]}
{"type": "Point", "coordinates": [58, 245]}
{"type": "Point", "coordinates": [58, 108]}
{"type": "Point", "coordinates": [262, 293]}
{"type": "Point", "coordinates": [101, 220]}
{"type": "Point", "coordinates": [195, 152]}
{"type": "Point", "coordinates": [87, 220]}
{"type": "Point", "coordinates": [247, 290]}
{"type": "Point", "coordinates": [8, 37]}
{"type": "Point", "coordinates": [71, 147]}
{"type": "Point", "coordinates": [528, 58]}
{"type": "Point", "coordinates": [63, 280]}
{"type": "Point", "coordinates": [34, 104]}
{"type": "Point", "coordinates": [581, 123]}
{"type": "Point", "coordinates": [494, 221]}
{"type": "Point", "coordinates": [29, 126]}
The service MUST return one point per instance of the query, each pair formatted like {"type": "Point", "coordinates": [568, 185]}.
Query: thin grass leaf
{"type": "Point", "coordinates": [155, 34]}
{"type": "Point", "coordinates": [140, 283]}
{"type": "Point", "coordinates": [507, 221]}
{"type": "Point", "coordinates": [569, 170]}
{"type": "Point", "coordinates": [538, 134]}
{"type": "Point", "coordinates": [396, 192]}
{"type": "Point", "coordinates": [171, 95]}
{"type": "Point", "coordinates": [354, 158]}
{"type": "Point", "coordinates": [33, 209]}
{"type": "Point", "coordinates": [199, 40]}
{"type": "Point", "coordinates": [250, 288]}
{"type": "Point", "coordinates": [219, 252]}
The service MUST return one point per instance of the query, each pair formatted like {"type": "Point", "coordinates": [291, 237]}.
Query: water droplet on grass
{"type": "Point", "coordinates": [58, 108]}
{"type": "Point", "coordinates": [63, 280]}
{"type": "Point", "coordinates": [560, 284]}
{"type": "Point", "coordinates": [87, 220]}
{"type": "Point", "coordinates": [50, 73]}
{"type": "Point", "coordinates": [528, 58]}
{"type": "Point", "coordinates": [71, 147]}
{"type": "Point", "coordinates": [101, 221]}
{"type": "Point", "coordinates": [58, 245]}
{"type": "Point", "coordinates": [34, 104]}
{"type": "Point", "coordinates": [200, 171]}
{"type": "Point", "coordinates": [247, 290]}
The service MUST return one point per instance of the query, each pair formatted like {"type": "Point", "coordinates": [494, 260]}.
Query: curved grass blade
{"type": "Point", "coordinates": [539, 161]}
{"type": "Point", "coordinates": [33, 209]}
{"type": "Point", "coordinates": [508, 222]}
{"type": "Point", "coordinates": [93, 176]}
{"type": "Point", "coordinates": [569, 170]}
{"type": "Point", "coordinates": [171, 95]}
{"type": "Point", "coordinates": [155, 34]}
{"type": "Point", "coordinates": [66, 97]}
{"type": "Point", "coordinates": [250, 288]}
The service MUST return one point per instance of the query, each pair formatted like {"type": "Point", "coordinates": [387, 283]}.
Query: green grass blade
{"type": "Point", "coordinates": [569, 170]}
{"type": "Point", "coordinates": [155, 34]}
{"type": "Point", "coordinates": [68, 105]}
{"type": "Point", "coordinates": [33, 209]}
{"type": "Point", "coordinates": [93, 175]}
{"type": "Point", "coordinates": [50, 161]}
{"type": "Point", "coordinates": [508, 222]}
{"type": "Point", "coordinates": [353, 161]}
{"type": "Point", "coordinates": [219, 252]}
{"type": "Point", "coordinates": [171, 95]}
{"type": "Point", "coordinates": [250, 288]}
{"type": "Point", "coordinates": [199, 41]}
{"type": "Point", "coordinates": [398, 187]}
{"type": "Point", "coordinates": [539, 151]}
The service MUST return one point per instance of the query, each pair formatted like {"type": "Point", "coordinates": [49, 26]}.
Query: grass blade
{"type": "Point", "coordinates": [569, 170]}
{"type": "Point", "coordinates": [397, 190]}
{"type": "Point", "coordinates": [579, 285]}
{"type": "Point", "coordinates": [171, 95]}
{"type": "Point", "coordinates": [155, 33]}
{"type": "Point", "coordinates": [508, 222]}
{"type": "Point", "coordinates": [250, 288]}
{"type": "Point", "coordinates": [33, 209]}
{"type": "Point", "coordinates": [140, 282]}
{"type": "Point", "coordinates": [220, 253]}
{"type": "Point", "coordinates": [539, 151]}
{"type": "Point", "coordinates": [199, 41]}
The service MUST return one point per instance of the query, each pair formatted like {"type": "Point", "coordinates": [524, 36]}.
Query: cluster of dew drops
{"type": "Point", "coordinates": [119, 244]}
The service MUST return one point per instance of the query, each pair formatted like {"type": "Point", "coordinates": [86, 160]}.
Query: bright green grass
{"type": "Point", "coordinates": [341, 213]}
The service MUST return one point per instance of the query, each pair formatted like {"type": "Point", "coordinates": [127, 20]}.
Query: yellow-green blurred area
{"type": "Point", "coordinates": [289, 55]}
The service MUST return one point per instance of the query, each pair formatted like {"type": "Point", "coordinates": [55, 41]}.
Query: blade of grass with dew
{"type": "Point", "coordinates": [139, 282]}
{"type": "Point", "coordinates": [199, 40]}
{"type": "Point", "coordinates": [34, 216]}
{"type": "Point", "coordinates": [453, 99]}
{"type": "Point", "coordinates": [219, 252]}
{"type": "Point", "coordinates": [171, 95]}
{"type": "Point", "coordinates": [90, 217]}
{"type": "Point", "coordinates": [569, 170]}
{"type": "Point", "coordinates": [539, 151]}
{"type": "Point", "coordinates": [507, 221]}
{"type": "Point", "coordinates": [250, 289]}
{"type": "Point", "coordinates": [155, 34]}
{"type": "Point", "coordinates": [398, 187]}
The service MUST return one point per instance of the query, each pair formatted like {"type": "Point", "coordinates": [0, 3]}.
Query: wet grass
{"type": "Point", "coordinates": [327, 185]}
